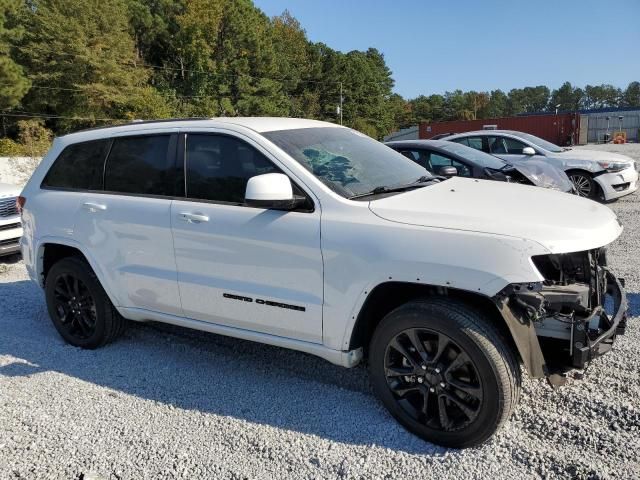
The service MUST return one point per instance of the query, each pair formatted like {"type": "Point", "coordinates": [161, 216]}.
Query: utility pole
{"type": "Point", "coordinates": [341, 100]}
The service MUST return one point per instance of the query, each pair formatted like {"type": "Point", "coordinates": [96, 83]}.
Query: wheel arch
{"type": "Point", "coordinates": [387, 296]}
{"type": "Point", "coordinates": [52, 250]}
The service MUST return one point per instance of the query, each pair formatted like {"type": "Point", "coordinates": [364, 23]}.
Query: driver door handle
{"type": "Point", "coordinates": [194, 217]}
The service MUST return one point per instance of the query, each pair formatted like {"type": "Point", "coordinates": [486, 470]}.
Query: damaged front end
{"type": "Point", "coordinates": [568, 319]}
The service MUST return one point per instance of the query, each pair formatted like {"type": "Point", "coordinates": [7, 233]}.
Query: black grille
{"type": "Point", "coordinates": [8, 207]}
{"type": "Point", "coordinates": [10, 226]}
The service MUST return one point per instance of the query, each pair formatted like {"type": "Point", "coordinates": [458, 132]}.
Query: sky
{"type": "Point", "coordinates": [436, 46]}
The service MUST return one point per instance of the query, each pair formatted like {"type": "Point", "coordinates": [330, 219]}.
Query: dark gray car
{"type": "Point", "coordinates": [447, 158]}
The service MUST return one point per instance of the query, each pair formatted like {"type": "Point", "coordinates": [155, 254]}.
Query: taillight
{"type": "Point", "coordinates": [20, 201]}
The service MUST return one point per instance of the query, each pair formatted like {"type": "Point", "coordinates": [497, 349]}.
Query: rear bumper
{"type": "Point", "coordinates": [599, 324]}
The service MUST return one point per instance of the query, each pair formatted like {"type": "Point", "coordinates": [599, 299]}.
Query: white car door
{"type": "Point", "coordinates": [126, 227]}
{"type": "Point", "coordinates": [238, 266]}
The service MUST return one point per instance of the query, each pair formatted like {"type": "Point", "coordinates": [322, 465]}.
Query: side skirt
{"type": "Point", "coordinates": [342, 358]}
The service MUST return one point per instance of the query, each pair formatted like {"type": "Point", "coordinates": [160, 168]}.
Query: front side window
{"type": "Point", "coordinates": [79, 167]}
{"type": "Point", "coordinates": [438, 161]}
{"type": "Point", "coordinates": [218, 167]}
{"type": "Point", "coordinates": [497, 145]}
{"type": "Point", "coordinates": [348, 162]}
{"type": "Point", "coordinates": [551, 147]}
{"type": "Point", "coordinates": [514, 147]}
{"type": "Point", "coordinates": [141, 165]}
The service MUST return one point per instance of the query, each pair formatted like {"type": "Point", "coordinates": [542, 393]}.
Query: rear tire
{"type": "Point", "coordinates": [444, 372]}
{"type": "Point", "coordinates": [79, 307]}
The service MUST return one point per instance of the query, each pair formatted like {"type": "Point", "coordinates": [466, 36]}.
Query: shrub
{"type": "Point", "coordinates": [9, 148]}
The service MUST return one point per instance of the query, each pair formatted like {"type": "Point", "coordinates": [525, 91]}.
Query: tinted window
{"type": "Point", "coordinates": [419, 156]}
{"type": "Point", "coordinates": [513, 146]}
{"type": "Point", "coordinates": [473, 142]}
{"type": "Point", "coordinates": [79, 167]}
{"type": "Point", "coordinates": [439, 161]}
{"type": "Point", "coordinates": [433, 161]}
{"type": "Point", "coordinates": [141, 165]}
{"type": "Point", "coordinates": [496, 145]}
{"type": "Point", "coordinates": [218, 167]}
{"type": "Point", "coordinates": [482, 159]}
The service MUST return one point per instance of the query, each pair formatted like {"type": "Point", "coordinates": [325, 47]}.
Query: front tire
{"type": "Point", "coordinates": [584, 184]}
{"type": "Point", "coordinates": [78, 305]}
{"type": "Point", "coordinates": [444, 372]}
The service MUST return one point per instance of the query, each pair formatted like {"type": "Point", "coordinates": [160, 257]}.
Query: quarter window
{"type": "Point", "coordinates": [141, 165]}
{"type": "Point", "coordinates": [79, 167]}
{"type": "Point", "coordinates": [218, 167]}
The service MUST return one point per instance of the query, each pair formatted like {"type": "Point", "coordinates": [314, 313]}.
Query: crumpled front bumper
{"type": "Point", "coordinates": [576, 339]}
{"type": "Point", "coordinates": [584, 347]}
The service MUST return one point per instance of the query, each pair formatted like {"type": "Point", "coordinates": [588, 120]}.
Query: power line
{"type": "Point", "coordinates": [15, 113]}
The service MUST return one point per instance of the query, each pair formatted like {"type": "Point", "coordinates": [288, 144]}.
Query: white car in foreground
{"type": "Point", "coordinates": [595, 174]}
{"type": "Point", "coordinates": [311, 236]}
{"type": "Point", "coordinates": [10, 227]}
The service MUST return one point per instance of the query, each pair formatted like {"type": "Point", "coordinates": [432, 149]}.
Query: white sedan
{"type": "Point", "coordinates": [595, 174]}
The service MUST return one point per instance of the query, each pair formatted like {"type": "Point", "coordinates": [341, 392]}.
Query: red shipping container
{"type": "Point", "coordinates": [561, 129]}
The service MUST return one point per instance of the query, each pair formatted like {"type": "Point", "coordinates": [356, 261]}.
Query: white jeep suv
{"type": "Point", "coordinates": [311, 236]}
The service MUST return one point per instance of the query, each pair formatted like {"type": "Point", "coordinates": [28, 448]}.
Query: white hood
{"type": "Point", "coordinates": [8, 190]}
{"type": "Point", "coordinates": [558, 221]}
{"type": "Point", "coordinates": [593, 155]}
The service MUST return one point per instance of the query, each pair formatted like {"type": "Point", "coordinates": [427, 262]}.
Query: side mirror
{"type": "Point", "coordinates": [528, 151]}
{"type": "Point", "coordinates": [273, 191]}
{"type": "Point", "coordinates": [448, 171]}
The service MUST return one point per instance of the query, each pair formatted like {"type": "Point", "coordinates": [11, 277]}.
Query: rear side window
{"type": "Point", "coordinates": [79, 167]}
{"type": "Point", "coordinates": [218, 167]}
{"type": "Point", "coordinates": [141, 165]}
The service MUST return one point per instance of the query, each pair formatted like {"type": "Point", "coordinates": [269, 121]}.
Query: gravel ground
{"type": "Point", "coordinates": [164, 402]}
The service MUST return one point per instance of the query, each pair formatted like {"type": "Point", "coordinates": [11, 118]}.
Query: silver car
{"type": "Point", "coordinates": [595, 174]}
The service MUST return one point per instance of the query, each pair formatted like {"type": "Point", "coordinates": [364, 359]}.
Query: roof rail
{"type": "Point", "coordinates": [142, 122]}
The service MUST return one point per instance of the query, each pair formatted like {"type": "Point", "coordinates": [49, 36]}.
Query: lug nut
{"type": "Point", "coordinates": [424, 367]}
{"type": "Point", "coordinates": [420, 380]}
{"type": "Point", "coordinates": [442, 384]}
{"type": "Point", "coordinates": [437, 370]}
{"type": "Point", "coordinates": [432, 390]}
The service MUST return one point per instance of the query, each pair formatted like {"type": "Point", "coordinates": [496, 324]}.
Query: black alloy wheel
{"type": "Point", "coordinates": [79, 307]}
{"type": "Point", "coordinates": [444, 370]}
{"type": "Point", "coordinates": [433, 379]}
{"type": "Point", "coordinates": [75, 307]}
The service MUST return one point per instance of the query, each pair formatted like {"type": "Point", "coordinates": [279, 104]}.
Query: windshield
{"type": "Point", "coordinates": [348, 162]}
{"type": "Point", "coordinates": [483, 159]}
{"type": "Point", "coordinates": [551, 147]}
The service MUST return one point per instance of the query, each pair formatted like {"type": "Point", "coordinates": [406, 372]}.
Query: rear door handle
{"type": "Point", "coordinates": [94, 207]}
{"type": "Point", "coordinates": [194, 217]}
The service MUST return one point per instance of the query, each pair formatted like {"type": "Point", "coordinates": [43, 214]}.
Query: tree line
{"type": "Point", "coordinates": [69, 64]}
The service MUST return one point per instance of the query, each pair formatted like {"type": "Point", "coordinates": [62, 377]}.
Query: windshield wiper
{"type": "Point", "coordinates": [421, 182]}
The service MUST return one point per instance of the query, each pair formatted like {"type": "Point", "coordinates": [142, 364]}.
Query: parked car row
{"type": "Point", "coordinates": [595, 174]}
{"type": "Point", "coordinates": [448, 159]}
{"type": "Point", "coordinates": [308, 235]}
